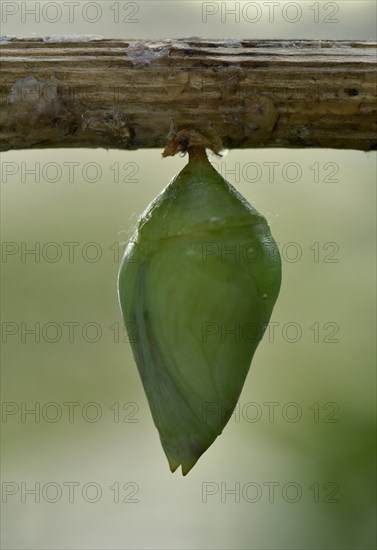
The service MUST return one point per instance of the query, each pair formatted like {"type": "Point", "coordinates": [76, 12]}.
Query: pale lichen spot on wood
{"type": "Point", "coordinates": [142, 54]}
{"type": "Point", "coordinates": [77, 38]}
{"type": "Point", "coordinates": [7, 38]}
{"type": "Point", "coordinates": [40, 96]}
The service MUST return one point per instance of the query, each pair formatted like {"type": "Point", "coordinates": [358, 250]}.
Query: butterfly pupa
{"type": "Point", "coordinates": [198, 280]}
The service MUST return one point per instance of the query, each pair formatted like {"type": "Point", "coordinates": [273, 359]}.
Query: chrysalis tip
{"type": "Point", "coordinates": [173, 464]}
{"type": "Point", "coordinates": [186, 458]}
{"type": "Point", "coordinates": [187, 467]}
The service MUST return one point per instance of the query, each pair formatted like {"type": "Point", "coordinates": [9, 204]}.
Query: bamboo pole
{"type": "Point", "coordinates": [129, 94]}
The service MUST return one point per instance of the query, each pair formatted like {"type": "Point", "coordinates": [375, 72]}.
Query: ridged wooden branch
{"type": "Point", "coordinates": [129, 94]}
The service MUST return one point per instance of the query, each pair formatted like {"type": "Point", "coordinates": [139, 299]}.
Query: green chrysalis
{"type": "Point", "coordinates": [198, 280]}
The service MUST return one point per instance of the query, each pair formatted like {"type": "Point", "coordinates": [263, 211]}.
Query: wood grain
{"type": "Point", "coordinates": [131, 94]}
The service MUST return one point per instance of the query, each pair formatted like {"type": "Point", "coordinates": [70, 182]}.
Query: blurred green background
{"type": "Point", "coordinates": [295, 466]}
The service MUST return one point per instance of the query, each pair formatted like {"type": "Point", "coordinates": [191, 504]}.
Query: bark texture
{"type": "Point", "coordinates": [131, 94]}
